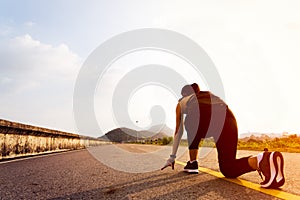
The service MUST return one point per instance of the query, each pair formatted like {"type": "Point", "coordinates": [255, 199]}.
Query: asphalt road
{"type": "Point", "coordinates": [82, 175]}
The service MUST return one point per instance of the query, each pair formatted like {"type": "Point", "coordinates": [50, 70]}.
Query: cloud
{"type": "Point", "coordinates": [37, 81]}
{"type": "Point", "coordinates": [5, 30]}
{"type": "Point", "coordinates": [29, 24]}
{"type": "Point", "coordinates": [23, 59]}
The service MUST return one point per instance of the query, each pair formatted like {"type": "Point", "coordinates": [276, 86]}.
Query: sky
{"type": "Point", "coordinates": [254, 45]}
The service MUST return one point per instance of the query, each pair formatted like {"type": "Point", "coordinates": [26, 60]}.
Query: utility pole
{"type": "Point", "coordinates": [136, 133]}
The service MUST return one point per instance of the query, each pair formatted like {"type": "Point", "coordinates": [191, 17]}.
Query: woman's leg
{"type": "Point", "coordinates": [227, 147]}
{"type": "Point", "coordinates": [270, 163]}
{"type": "Point", "coordinates": [193, 154]}
{"type": "Point", "coordinates": [194, 134]}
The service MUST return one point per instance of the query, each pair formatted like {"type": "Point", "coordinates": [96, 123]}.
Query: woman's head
{"type": "Point", "coordinates": [196, 87]}
{"type": "Point", "coordinates": [190, 89]}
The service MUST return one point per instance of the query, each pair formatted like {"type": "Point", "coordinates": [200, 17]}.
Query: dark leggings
{"type": "Point", "coordinates": [226, 145]}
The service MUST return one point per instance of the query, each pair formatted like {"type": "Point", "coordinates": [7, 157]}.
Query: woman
{"type": "Point", "coordinates": [206, 115]}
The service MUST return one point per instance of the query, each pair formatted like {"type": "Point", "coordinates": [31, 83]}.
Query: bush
{"type": "Point", "coordinates": [167, 140]}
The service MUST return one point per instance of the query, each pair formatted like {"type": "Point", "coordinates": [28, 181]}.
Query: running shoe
{"type": "Point", "coordinates": [191, 167]}
{"type": "Point", "coordinates": [271, 166]}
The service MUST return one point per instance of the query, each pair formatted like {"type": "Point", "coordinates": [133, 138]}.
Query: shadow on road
{"type": "Point", "coordinates": [165, 186]}
{"type": "Point", "coordinates": [123, 190]}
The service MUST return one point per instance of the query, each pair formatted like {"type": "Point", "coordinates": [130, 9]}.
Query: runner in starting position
{"type": "Point", "coordinates": [209, 116]}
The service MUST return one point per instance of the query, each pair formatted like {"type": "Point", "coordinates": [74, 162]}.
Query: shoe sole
{"type": "Point", "coordinates": [280, 176]}
{"type": "Point", "coordinates": [276, 171]}
{"type": "Point", "coordinates": [191, 171]}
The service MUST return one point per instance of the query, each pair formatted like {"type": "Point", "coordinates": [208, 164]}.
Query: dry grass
{"type": "Point", "coordinates": [286, 144]}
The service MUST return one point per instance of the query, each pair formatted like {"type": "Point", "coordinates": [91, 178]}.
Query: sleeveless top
{"type": "Point", "coordinates": [183, 102]}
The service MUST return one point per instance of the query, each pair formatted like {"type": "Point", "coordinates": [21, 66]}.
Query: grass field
{"type": "Point", "coordinates": [286, 144]}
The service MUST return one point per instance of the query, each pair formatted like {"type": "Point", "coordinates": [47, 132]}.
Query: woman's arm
{"type": "Point", "coordinates": [178, 130]}
{"type": "Point", "coordinates": [177, 136]}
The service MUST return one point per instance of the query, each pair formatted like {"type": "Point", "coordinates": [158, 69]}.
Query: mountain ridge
{"type": "Point", "coordinates": [124, 134]}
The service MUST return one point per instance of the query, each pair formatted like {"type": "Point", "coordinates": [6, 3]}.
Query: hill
{"type": "Point", "coordinates": [129, 135]}
{"type": "Point", "coordinates": [162, 128]}
{"type": "Point", "coordinates": [257, 134]}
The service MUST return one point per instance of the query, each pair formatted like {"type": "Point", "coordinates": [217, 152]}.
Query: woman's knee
{"type": "Point", "coordinates": [228, 171]}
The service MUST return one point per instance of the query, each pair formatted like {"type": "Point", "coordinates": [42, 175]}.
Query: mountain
{"type": "Point", "coordinates": [256, 134]}
{"type": "Point", "coordinates": [120, 135]}
{"type": "Point", "coordinates": [162, 128]}
{"type": "Point", "coordinates": [129, 135]}
{"type": "Point", "coordinates": [262, 136]}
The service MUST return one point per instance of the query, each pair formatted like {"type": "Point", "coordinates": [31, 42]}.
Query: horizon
{"type": "Point", "coordinates": [184, 137]}
{"type": "Point", "coordinates": [253, 47]}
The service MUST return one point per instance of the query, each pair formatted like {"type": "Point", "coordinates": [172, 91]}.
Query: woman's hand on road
{"type": "Point", "coordinates": [170, 162]}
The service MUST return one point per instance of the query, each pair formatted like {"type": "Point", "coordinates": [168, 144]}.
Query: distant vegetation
{"type": "Point", "coordinates": [207, 142]}
{"type": "Point", "coordinates": [285, 144]}
{"type": "Point", "coordinates": [158, 141]}
{"type": "Point", "coordinates": [289, 143]}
